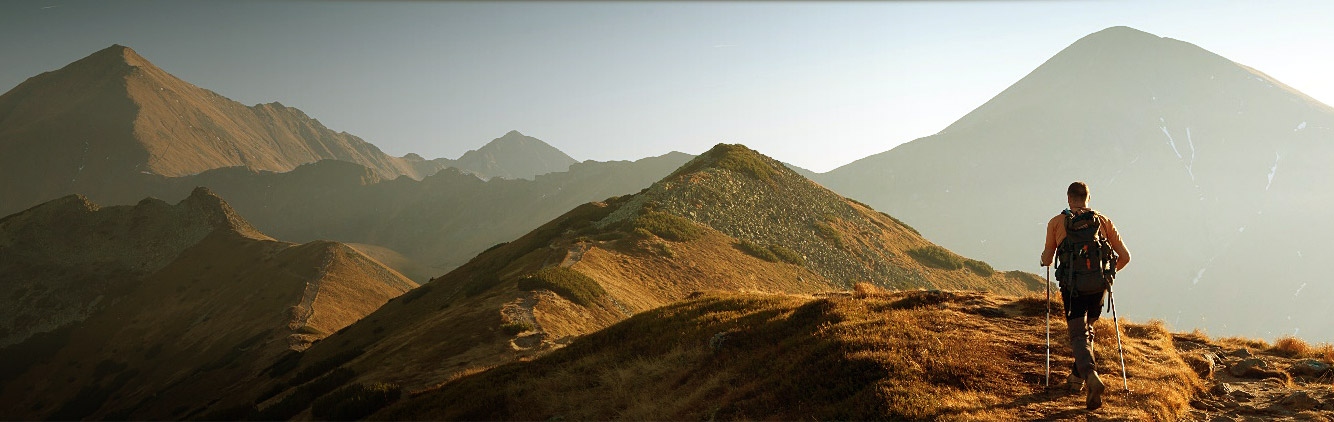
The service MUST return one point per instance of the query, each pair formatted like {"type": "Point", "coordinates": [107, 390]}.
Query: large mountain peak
{"type": "Point", "coordinates": [736, 158]}
{"type": "Point", "coordinates": [1152, 124]}
{"type": "Point", "coordinates": [516, 140]}
{"type": "Point", "coordinates": [114, 61]}
{"type": "Point", "coordinates": [116, 53]}
{"type": "Point", "coordinates": [754, 198]}
{"type": "Point", "coordinates": [514, 156]}
{"type": "Point", "coordinates": [95, 125]}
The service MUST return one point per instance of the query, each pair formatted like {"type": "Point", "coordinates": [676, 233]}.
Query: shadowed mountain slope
{"type": "Point", "coordinates": [436, 224]}
{"type": "Point", "coordinates": [1212, 171]}
{"type": "Point", "coordinates": [196, 302]}
{"type": "Point", "coordinates": [61, 259]}
{"type": "Point", "coordinates": [602, 262]}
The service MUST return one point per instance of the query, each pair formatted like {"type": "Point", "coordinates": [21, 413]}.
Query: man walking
{"type": "Point", "coordinates": [1088, 251]}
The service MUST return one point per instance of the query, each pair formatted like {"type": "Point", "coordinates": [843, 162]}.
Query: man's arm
{"type": "Point", "coordinates": [1122, 254]}
{"type": "Point", "coordinates": [1054, 227]}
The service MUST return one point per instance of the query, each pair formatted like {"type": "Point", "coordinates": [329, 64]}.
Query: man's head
{"type": "Point", "coordinates": [1077, 194]}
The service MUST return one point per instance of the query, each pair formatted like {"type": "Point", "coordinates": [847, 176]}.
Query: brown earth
{"type": "Point", "coordinates": [1282, 386]}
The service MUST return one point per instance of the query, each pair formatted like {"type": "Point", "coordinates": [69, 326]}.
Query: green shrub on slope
{"type": "Point", "coordinates": [936, 257]}
{"type": "Point", "coordinates": [668, 226]}
{"type": "Point", "coordinates": [567, 283]}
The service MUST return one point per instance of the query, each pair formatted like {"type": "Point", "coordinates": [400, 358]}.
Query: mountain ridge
{"type": "Point", "coordinates": [111, 122]}
{"type": "Point", "coordinates": [603, 261]}
{"type": "Point", "coordinates": [145, 309]}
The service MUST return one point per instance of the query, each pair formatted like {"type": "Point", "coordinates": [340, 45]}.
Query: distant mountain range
{"type": "Point", "coordinates": [106, 124]}
{"type": "Point", "coordinates": [1213, 172]}
{"type": "Point", "coordinates": [434, 224]}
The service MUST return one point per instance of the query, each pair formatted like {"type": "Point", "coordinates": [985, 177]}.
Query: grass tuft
{"type": "Point", "coordinates": [864, 290]}
{"type": "Point", "coordinates": [1292, 347]}
{"type": "Point", "coordinates": [1242, 342]}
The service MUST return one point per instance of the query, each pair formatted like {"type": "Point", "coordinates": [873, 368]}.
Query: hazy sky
{"type": "Point", "coordinates": [814, 84]}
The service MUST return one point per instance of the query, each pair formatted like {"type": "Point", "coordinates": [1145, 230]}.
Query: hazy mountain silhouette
{"type": "Point", "coordinates": [428, 226]}
{"type": "Point", "coordinates": [101, 121]}
{"type": "Point", "coordinates": [513, 156]}
{"type": "Point", "coordinates": [161, 306]}
{"type": "Point", "coordinates": [1212, 171]}
{"type": "Point", "coordinates": [109, 124]}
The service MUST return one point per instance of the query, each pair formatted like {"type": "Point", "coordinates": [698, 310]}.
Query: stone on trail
{"type": "Point", "coordinates": [1254, 368]}
{"type": "Point", "coordinates": [1299, 401]}
{"type": "Point", "coordinates": [1309, 367]}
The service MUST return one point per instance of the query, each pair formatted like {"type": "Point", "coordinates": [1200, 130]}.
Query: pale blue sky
{"type": "Point", "coordinates": [814, 84]}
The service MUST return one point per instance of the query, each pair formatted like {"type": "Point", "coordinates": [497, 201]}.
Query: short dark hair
{"type": "Point", "coordinates": [1077, 190]}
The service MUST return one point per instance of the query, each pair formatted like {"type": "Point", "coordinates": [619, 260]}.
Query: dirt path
{"type": "Point", "coordinates": [1240, 390]}
{"type": "Point", "coordinates": [576, 253]}
{"type": "Point", "coordinates": [307, 305]}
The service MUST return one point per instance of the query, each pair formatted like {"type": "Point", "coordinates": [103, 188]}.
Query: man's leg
{"type": "Point", "coordinates": [1075, 337]}
{"type": "Point", "coordinates": [1093, 307]}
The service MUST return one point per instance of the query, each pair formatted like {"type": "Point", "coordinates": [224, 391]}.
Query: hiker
{"type": "Point", "coordinates": [1089, 252]}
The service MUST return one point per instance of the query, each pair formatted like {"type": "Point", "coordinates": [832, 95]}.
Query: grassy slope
{"type": "Point", "coordinates": [640, 265]}
{"type": "Point", "coordinates": [908, 355]}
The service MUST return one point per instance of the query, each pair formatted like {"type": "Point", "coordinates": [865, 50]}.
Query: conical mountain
{"type": "Point", "coordinates": [111, 118]}
{"type": "Point", "coordinates": [1211, 170]}
{"type": "Point", "coordinates": [731, 219]}
{"type": "Point", "coordinates": [148, 311]}
{"type": "Point", "coordinates": [514, 156]}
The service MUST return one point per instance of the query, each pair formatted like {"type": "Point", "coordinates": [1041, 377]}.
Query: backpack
{"type": "Point", "coordinates": [1085, 261]}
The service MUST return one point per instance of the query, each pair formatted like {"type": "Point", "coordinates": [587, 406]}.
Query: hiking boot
{"type": "Point", "coordinates": [1096, 387]}
{"type": "Point", "coordinates": [1074, 382]}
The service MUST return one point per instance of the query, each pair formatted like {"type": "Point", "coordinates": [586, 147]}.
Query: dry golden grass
{"type": "Point", "coordinates": [1242, 342]}
{"type": "Point", "coordinates": [1292, 347]}
{"type": "Point", "coordinates": [1325, 352]}
{"type": "Point", "coordinates": [900, 356]}
{"type": "Point", "coordinates": [864, 290]}
{"type": "Point", "coordinates": [1196, 335]}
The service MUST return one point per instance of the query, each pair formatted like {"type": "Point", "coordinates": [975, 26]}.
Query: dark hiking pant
{"type": "Point", "coordinates": [1081, 312]}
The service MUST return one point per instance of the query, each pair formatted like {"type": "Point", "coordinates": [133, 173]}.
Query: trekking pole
{"type": "Point", "coordinates": [1047, 381]}
{"type": "Point", "coordinates": [1111, 301]}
